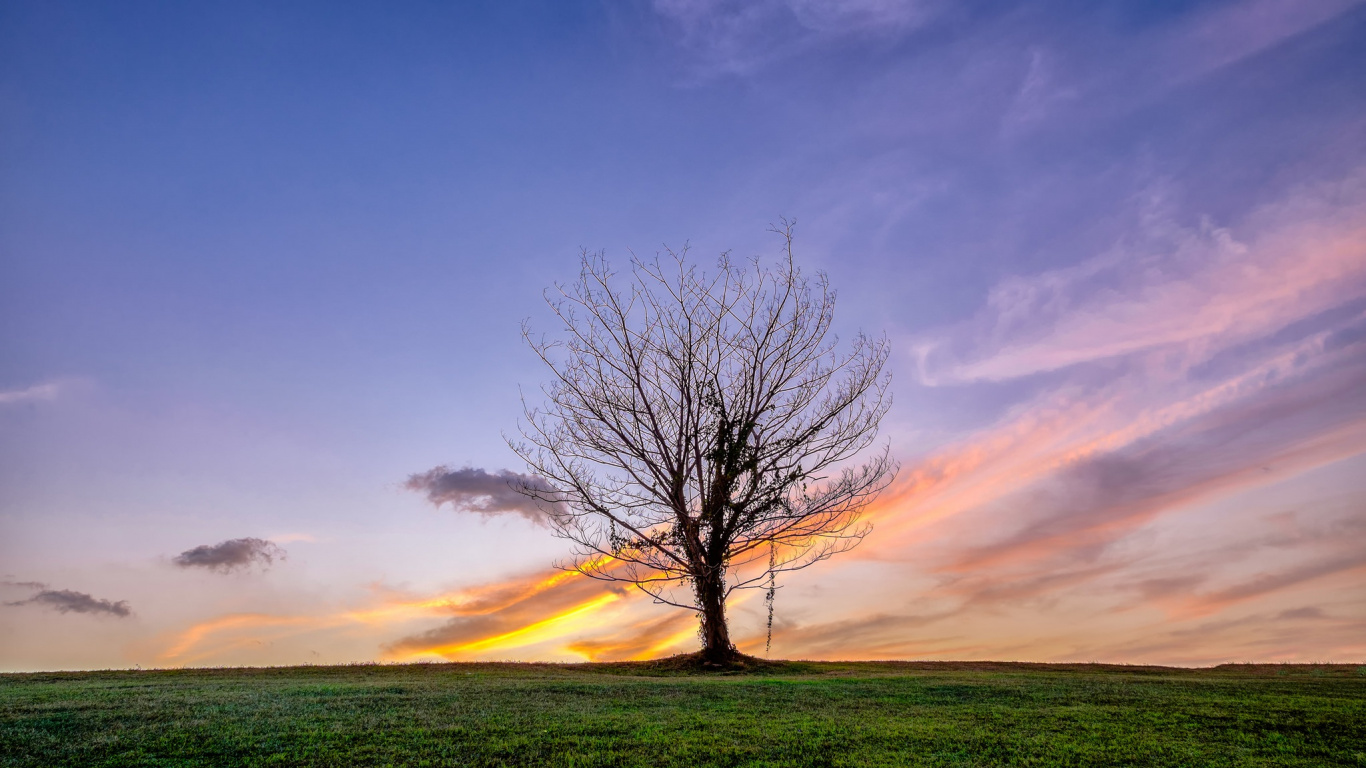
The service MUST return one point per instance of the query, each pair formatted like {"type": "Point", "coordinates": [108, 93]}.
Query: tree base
{"type": "Point", "coordinates": [698, 662]}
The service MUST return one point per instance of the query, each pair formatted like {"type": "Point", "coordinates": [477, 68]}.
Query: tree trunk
{"type": "Point", "coordinates": [716, 645]}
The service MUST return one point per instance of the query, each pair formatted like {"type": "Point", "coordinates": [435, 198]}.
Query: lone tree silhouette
{"type": "Point", "coordinates": [699, 426]}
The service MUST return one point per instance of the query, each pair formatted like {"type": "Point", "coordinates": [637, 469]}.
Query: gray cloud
{"type": "Point", "coordinates": [69, 601]}
{"type": "Point", "coordinates": [1308, 612]}
{"type": "Point", "coordinates": [1272, 582]}
{"type": "Point", "coordinates": [473, 490]}
{"type": "Point", "coordinates": [230, 555]}
{"type": "Point", "coordinates": [879, 633]}
{"type": "Point", "coordinates": [1258, 635]}
{"type": "Point", "coordinates": [1172, 586]}
{"type": "Point", "coordinates": [24, 584]}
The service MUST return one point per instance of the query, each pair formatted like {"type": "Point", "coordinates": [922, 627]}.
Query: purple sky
{"type": "Point", "coordinates": [262, 263]}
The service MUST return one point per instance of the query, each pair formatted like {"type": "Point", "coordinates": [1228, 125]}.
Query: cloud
{"type": "Point", "coordinates": [1228, 33]}
{"type": "Point", "coordinates": [35, 393]}
{"type": "Point", "coordinates": [639, 640]}
{"type": "Point", "coordinates": [1038, 95]}
{"type": "Point", "coordinates": [1025, 525]}
{"type": "Point", "coordinates": [1172, 378]}
{"type": "Point", "coordinates": [1087, 504]}
{"type": "Point", "coordinates": [230, 555]}
{"type": "Point", "coordinates": [877, 635]}
{"type": "Point", "coordinates": [1280, 637]}
{"type": "Point", "coordinates": [740, 37]}
{"type": "Point", "coordinates": [1307, 612]}
{"type": "Point", "coordinates": [1268, 583]}
{"type": "Point", "coordinates": [474, 490]}
{"type": "Point", "coordinates": [1186, 292]}
{"type": "Point", "coordinates": [225, 633]}
{"type": "Point", "coordinates": [24, 584]}
{"type": "Point", "coordinates": [69, 601]}
{"type": "Point", "coordinates": [482, 621]}
{"type": "Point", "coordinates": [515, 614]}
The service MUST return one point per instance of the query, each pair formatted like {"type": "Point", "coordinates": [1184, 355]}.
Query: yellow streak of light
{"type": "Point", "coordinates": [531, 633]}
{"type": "Point", "coordinates": [459, 602]}
{"type": "Point", "coordinates": [463, 602]}
{"type": "Point", "coordinates": [668, 642]}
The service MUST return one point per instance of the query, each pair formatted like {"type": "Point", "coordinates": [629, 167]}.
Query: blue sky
{"type": "Point", "coordinates": [259, 263]}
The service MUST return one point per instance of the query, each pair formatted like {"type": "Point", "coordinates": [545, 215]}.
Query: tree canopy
{"type": "Point", "coordinates": [699, 428]}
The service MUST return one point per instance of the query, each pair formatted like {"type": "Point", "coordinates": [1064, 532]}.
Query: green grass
{"type": "Point", "coordinates": [786, 714]}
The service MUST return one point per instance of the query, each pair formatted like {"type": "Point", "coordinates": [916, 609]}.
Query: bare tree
{"type": "Point", "coordinates": [699, 426]}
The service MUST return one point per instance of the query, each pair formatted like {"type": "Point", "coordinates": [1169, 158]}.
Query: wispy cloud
{"type": "Point", "coordinates": [1041, 91]}
{"type": "Point", "coordinates": [1087, 503]}
{"type": "Point", "coordinates": [1265, 635]}
{"type": "Point", "coordinates": [1187, 292]}
{"type": "Point", "coordinates": [231, 555]}
{"type": "Point", "coordinates": [1228, 33]}
{"type": "Point", "coordinates": [213, 638]}
{"type": "Point", "coordinates": [736, 37]}
{"type": "Point", "coordinates": [24, 584]}
{"type": "Point", "coordinates": [1210, 362]}
{"type": "Point", "coordinates": [1350, 557]}
{"type": "Point", "coordinates": [1211, 609]}
{"type": "Point", "coordinates": [70, 601]}
{"type": "Point", "coordinates": [35, 393]}
{"type": "Point", "coordinates": [870, 636]}
{"type": "Point", "coordinates": [639, 640]}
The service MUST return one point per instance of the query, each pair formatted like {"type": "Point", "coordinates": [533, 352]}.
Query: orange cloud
{"type": "Point", "coordinates": [645, 639]}
{"type": "Point", "coordinates": [190, 644]}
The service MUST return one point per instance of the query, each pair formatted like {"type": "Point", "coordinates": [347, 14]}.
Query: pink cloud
{"type": "Point", "coordinates": [1185, 292]}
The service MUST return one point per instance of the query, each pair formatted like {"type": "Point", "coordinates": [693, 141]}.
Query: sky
{"type": "Point", "coordinates": [263, 268]}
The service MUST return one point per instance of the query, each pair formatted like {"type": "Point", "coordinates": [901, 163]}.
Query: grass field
{"type": "Point", "coordinates": [788, 714]}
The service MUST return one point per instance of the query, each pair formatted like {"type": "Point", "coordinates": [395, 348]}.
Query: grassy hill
{"type": "Point", "coordinates": [778, 714]}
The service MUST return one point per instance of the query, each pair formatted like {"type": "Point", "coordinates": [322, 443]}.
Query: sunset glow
{"type": "Point", "coordinates": [264, 271]}
{"type": "Point", "coordinates": [553, 627]}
